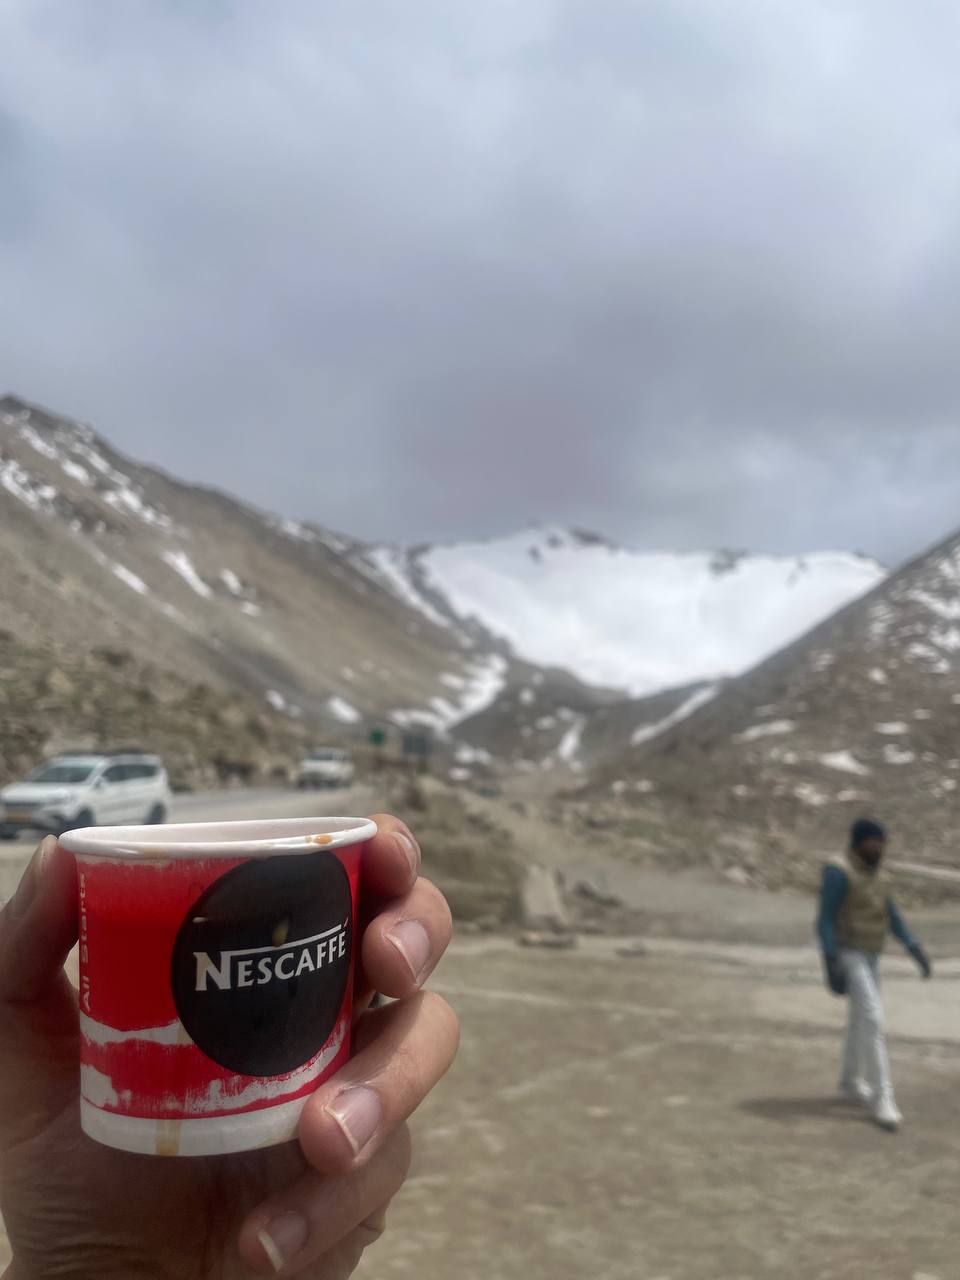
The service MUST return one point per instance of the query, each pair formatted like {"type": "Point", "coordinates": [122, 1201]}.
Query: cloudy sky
{"type": "Point", "coordinates": [683, 271]}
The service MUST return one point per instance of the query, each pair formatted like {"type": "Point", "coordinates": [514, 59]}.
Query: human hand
{"type": "Point", "coordinates": [74, 1209]}
{"type": "Point", "coordinates": [922, 960]}
{"type": "Point", "coordinates": [835, 977]}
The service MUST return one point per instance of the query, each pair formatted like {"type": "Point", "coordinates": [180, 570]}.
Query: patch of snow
{"type": "Point", "coordinates": [740, 791]}
{"type": "Point", "coordinates": [390, 565]}
{"type": "Point", "coordinates": [131, 579]}
{"type": "Point", "coordinates": [460, 775]}
{"type": "Point", "coordinates": [21, 484]}
{"type": "Point", "coordinates": [923, 714]}
{"type": "Point", "coordinates": [848, 796]}
{"type": "Point", "coordinates": [546, 722]}
{"type": "Point", "coordinates": [568, 747]}
{"type": "Point", "coordinates": [893, 754]}
{"type": "Point", "coordinates": [231, 582]}
{"type": "Point", "coordinates": [76, 472]}
{"type": "Point", "coordinates": [809, 794]}
{"type": "Point", "coordinates": [343, 710]}
{"type": "Point", "coordinates": [485, 680]}
{"type": "Point", "coordinates": [37, 442]}
{"type": "Point", "coordinates": [276, 700]}
{"type": "Point", "coordinates": [348, 673]}
{"type": "Point", "coordinates": [647, 732]}
{"type": "Point", "coordinates": [845, 761]}
{"type": "Point", "coordinates": [892, 727]}
{"type": "Point", "coordinates": [947, 639]}
{"type": "Point", "coordinates": [181, 563]}
{"type": "Point", "coordinates": [250, 609]}
{"type": "Point", "coordinates": [465, 754]}
{"type": "Point", "coordinates": [878, 675]}
{"type": "Point", "coordinates": [527, 697]}
{"type": "Point", "coordinates": [948, 609]}
{"type": "Point", "coordinates": [823, 661]}
{"type": "Point", "coordinates": [454, 682]}
{"type": "Point", "coordinates": [562, 602]}
{"type": "Point", "coordinates": [292, 529]}
{"type": "Point", "coordinates": [127, 499]}
{"type": "Point", "coordinates": [767, 730]}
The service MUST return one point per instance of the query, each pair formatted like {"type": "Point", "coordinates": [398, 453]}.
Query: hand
{"type": "Point", "coordinates": [923, 961]}
{"type": "Point", "coordinates": [836, 979]}
{"type": "Point", "coordinates": [308, 1208]}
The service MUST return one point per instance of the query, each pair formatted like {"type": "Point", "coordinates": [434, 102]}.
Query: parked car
{"type": "Point", "coordinates": [86, 791]}
{"type": "Point", "coordinates": [326, 767]}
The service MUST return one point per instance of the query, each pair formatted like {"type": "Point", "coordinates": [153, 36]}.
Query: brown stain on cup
{"type": "Point", "coordinates": [325, 839]}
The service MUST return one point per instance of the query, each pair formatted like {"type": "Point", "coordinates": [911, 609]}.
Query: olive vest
{"type": "Point", "coordinates": [862, 918]}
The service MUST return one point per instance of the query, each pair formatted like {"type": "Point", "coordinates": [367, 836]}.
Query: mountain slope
{"type": "Point", "coordinates": [638, 622]}
{"type": "Point", "coordinates": [861, 715]}
{"type": "Point", "coordinates": [96, 550]}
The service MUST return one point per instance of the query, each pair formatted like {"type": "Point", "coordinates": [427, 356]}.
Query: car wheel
{"type": "Point", "coordinates": [8, 833]}
{"type": "Point", "coordinates": [156, 815]}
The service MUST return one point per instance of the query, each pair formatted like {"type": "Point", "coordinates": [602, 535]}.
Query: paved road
{"type": "Point", "coordinates": [215, 806]}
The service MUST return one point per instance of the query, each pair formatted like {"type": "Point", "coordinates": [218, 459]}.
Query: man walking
{"type": "Point", "coordinates": [856, 911]}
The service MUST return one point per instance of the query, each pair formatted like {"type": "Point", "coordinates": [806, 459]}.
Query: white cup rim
{"type": "Point", "coordinates": [268, 838]}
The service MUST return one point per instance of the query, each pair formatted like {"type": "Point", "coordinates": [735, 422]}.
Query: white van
{"type": "Point", "coordinates": [86, 791]}
{"type": "Point", "coordinates": [326, 767]}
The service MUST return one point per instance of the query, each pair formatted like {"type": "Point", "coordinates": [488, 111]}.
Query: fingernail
{"type": "Point", "coordinates": [411, 940]}
{"type": "Point", "coordinates": [283, 1238]}
{"type": "Point", "coordinates": [357, 1111]}
{"type": "Point", "coordinates": [30, 881]}
{"type": "Point", "coordinates": [409, 850]}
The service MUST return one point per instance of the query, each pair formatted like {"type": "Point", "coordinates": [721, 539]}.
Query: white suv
{"type": "Point", "coordinates": [326, 767]}
{"type": "Point", "coordinates": [86, 791]}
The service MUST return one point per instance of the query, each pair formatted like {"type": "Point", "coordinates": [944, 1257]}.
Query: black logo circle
{"type": "Point", "coordinates": [261, 961]}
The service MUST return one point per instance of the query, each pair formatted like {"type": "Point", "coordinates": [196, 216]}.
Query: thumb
{"type": "Point", "coordinates": [39, 1029]}
{"type": "Point", "coordinates": [38, 926]}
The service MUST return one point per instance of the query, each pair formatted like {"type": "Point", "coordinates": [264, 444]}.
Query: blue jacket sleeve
{"type": "Point", "coordinates": [833, 890]}
{"type": "Point", "coordinates": [898, 926]}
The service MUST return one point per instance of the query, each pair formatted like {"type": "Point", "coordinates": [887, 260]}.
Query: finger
{"type": "Point", "coordinates": [402, 946]}
{"type": "Point", "coordinates": [315, 1215]}
{"type": "Point", "coordinates": [391, 860]}
{"type": "Point", "coordinates": [38, 926]}
{"type": "Point", "coordinates": [344, 1259]}
{"type": "Point", "coordinates": [404, 1049]}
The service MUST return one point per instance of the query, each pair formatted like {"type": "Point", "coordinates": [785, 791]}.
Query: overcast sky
{"type": "Point", "coordinates": [686, 272]}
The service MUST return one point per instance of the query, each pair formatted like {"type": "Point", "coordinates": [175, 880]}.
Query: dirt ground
{"type": "Point", "coordinates": [671, 1116]}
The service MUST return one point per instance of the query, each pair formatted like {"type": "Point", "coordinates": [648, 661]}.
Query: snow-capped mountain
{"type": "Point", "coordinates": [862, 715]}
{"type": "Point", "coordinates": [638, 622]}
{"type": "Point", "coordinates": [538, 650]}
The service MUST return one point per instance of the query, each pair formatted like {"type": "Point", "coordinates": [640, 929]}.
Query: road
{"type": "Point", "coordinates": [216, 806]}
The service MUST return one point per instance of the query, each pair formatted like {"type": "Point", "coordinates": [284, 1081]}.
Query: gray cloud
{"type": "Point", "coordinates": [681, 272]}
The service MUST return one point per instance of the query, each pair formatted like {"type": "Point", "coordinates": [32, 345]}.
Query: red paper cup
{"type": "Point", "coordinates": [216, 978]}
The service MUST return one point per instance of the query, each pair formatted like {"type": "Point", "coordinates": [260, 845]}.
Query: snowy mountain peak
{"type": "Point", "coordinates": [635, 621]}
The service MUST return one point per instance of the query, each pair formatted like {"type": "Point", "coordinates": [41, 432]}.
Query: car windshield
{"type": "Point", "coordinates": [325, 755]}
{"type": "Point", "coordinates": [62, 773]}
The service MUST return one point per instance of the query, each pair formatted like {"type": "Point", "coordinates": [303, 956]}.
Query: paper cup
{"type": "Point", "coordinates": [216, 978]}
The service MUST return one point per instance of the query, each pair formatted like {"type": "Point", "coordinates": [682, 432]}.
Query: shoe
{"type": "Point", "coordinates": [857, 1092]}
{"type": "Point", "coordinates": [887, 1116]}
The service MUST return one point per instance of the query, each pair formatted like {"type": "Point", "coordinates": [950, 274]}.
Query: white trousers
{"type": "Point", "coordinates": [865, 1052]}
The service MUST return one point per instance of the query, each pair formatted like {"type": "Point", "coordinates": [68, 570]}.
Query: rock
{"type": "Point", "coordinates": [549, 941]}
{"type": "Point", "coordinates": [597, 892]}
{"type": "Point", "coordinates": [634, 950]}
{"type": "Point", "coordinates": [541, 901]}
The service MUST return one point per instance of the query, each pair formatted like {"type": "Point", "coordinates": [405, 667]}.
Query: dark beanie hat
{"type": "Point", "coordinates": [864, 829]}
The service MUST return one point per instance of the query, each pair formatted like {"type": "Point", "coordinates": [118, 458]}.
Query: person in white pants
{"type": "Point", "coordinates": [856, 913]}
